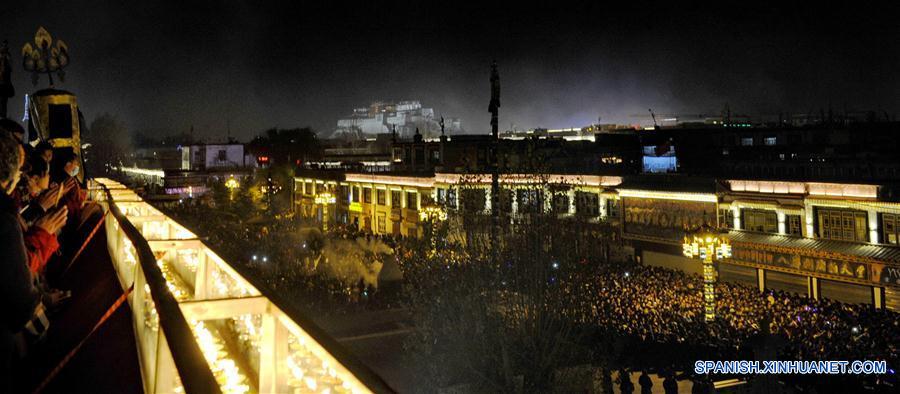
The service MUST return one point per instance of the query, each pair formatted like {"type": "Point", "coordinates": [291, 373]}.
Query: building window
{"type": "Point", "coordinates": [310, 188]}
{"type": "Point", "coordinates": [412, 201]}
{"type": "Point", "coordinates": [792, 225]}
{"type": "Point", "coordinates": [612, 208]}
{"type": "Point", "coordinates": [506, 200]}
{"type": "Point", "coordinates": [560, 203]}
{"type": "Point", "coordinates": [381, 196]}
{"type": "Point", "coordinates": [890, 228]}
{"type": "Point", "coordinates": [473, 200]}
{"type": "Point", "coordinates": [381, 223]}
{"type": "Point", "coordinates": [760, 220]}
{"type": "Point", "coordinates": [344, 191]}
{"type": "Point", "coordinates": [770, 141]}
{"type": "Point", "coordinates": [843, 224]}
{"type": "Point", "coordinates": [367, 195]}
{"type": "Point", "coordinates": [726, 218]}
{"type": "Point", "coordinates": [587, 204]}
{"type": "Point", "coordinates": [442, 196]}
{"type": "Point", "coordinates": [746, 141]}
{"type": "Point", "coordinates": [356, 194]}
{"type": "Point", "coordinates": [530, 200]}
{"type": "Point", "coordinates": [395, 199]}
{"type": "Point", "coordinates": [451, 197]}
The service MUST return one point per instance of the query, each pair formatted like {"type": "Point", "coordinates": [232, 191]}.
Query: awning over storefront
{"type": "Point", "coordinates": [847, 261]}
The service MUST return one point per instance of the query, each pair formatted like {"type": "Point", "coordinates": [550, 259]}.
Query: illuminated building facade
{"type": "Point", "coordinates": [833, 240]}
{"type": "Point", "coordinates": [404, 117]}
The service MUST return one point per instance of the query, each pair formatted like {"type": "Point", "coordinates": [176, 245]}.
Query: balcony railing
{"type": "Point", "coordinates": [201, 326]}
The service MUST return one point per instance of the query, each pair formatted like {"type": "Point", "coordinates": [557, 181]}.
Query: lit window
{"type": "Point", "coordinates": [381, 223]}
{"type": "Point", "coordinates": [763, 221]}
{"type": "Point", "coordinates": [770, 141]}
{"type": "Point", "coordinates": [747, 141]}
{"type": "Point", "coordinates": [412, 201]}
{"type": "Point", "coordinates": [890, 229]}
{"type": "Point", "coordinates": [395, 198]}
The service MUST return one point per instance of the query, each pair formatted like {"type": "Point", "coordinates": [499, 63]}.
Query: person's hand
{"type": "Point", "coordinates": [69, 184]}
{"type": "Point", "coordinates": [49, 198]}
{"type": "Point", "coordinates": [53, 221]}
{"type": "Point", "coordinates": [56, 296]}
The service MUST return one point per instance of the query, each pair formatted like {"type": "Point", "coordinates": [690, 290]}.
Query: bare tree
{"type": "Point", "coordinates": [110, 142]}
{"type": "Point", "coordinates": [514, 323]}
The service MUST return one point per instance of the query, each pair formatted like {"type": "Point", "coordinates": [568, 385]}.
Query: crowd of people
{"type": "Point", "coordinates": [659, 311]}
{"type": "Point", "coordinates": [284, 252]}
{"type": "Point", "coordinates": [665, 308]}
{"type": "Point", "coordinates": [42, 206]}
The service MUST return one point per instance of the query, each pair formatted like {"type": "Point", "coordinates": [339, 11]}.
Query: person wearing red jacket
{"type": "Point", "coordinates": [39, 219]}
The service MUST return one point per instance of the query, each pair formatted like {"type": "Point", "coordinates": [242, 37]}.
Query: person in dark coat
{"type": "Point", "coordinates": [645, 382]}
{"type": "Point", "coordinates": [606, 380]}
{"type": "Point", "coordinates": [625, 385]}
{"type": "Point", "coordinates": [670, 385]}
{"type": "Point", "coordinates": [701, 385]}
{"type": "Point", "coordinates": [18, 296]}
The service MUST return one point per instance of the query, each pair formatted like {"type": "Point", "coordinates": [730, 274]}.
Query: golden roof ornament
{"type": "Point", "coordinates": [45, 57]}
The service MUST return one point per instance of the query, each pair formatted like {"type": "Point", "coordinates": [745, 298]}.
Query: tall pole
{"type": "Point", "coordinates": [710, 245]}
{"type": "Point", "coordinates": [494, 109]}
{"type": "Point", "coordinates": [709, 284]}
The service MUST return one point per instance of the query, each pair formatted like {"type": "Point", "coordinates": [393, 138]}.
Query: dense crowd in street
{"type": "Point", "coordinates": [660, 310]}
{"type": "Point", "coordinates": [665, 307]}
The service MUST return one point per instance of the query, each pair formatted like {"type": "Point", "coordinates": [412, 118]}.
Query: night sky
{"type": "Point", "coordinates": [164, 67]}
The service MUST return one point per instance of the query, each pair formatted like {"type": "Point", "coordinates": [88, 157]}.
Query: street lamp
{"type": "Point", "coordinates": [324, 199]}
{"type": "Point", "coordinates": [710, 245]}
{"type": "Point", "coordinates": [232, 185]}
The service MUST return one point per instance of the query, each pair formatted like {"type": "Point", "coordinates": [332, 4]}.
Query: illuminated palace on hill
{"type": "Point", "coordinates": [803, 213]}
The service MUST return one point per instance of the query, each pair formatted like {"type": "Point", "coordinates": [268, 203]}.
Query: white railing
{"type": "Point", "coordinates": [248, 342]}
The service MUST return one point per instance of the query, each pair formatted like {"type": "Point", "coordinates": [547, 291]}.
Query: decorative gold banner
{"type": "Point", "coordinates": [811, 264]}
{"type": "Point", "coordinates": [665, 219]}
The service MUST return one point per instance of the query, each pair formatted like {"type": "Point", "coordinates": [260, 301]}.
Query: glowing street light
{"type": "Point", "coordinates": [324, 199]}
{"type": "Point", "coordinates": [710, 245]}
{"type": "Point", "coordinates": [232, 185]}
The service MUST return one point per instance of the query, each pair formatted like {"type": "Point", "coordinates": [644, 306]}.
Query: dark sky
{"type": "Point", "coordinates": [164, 67]}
